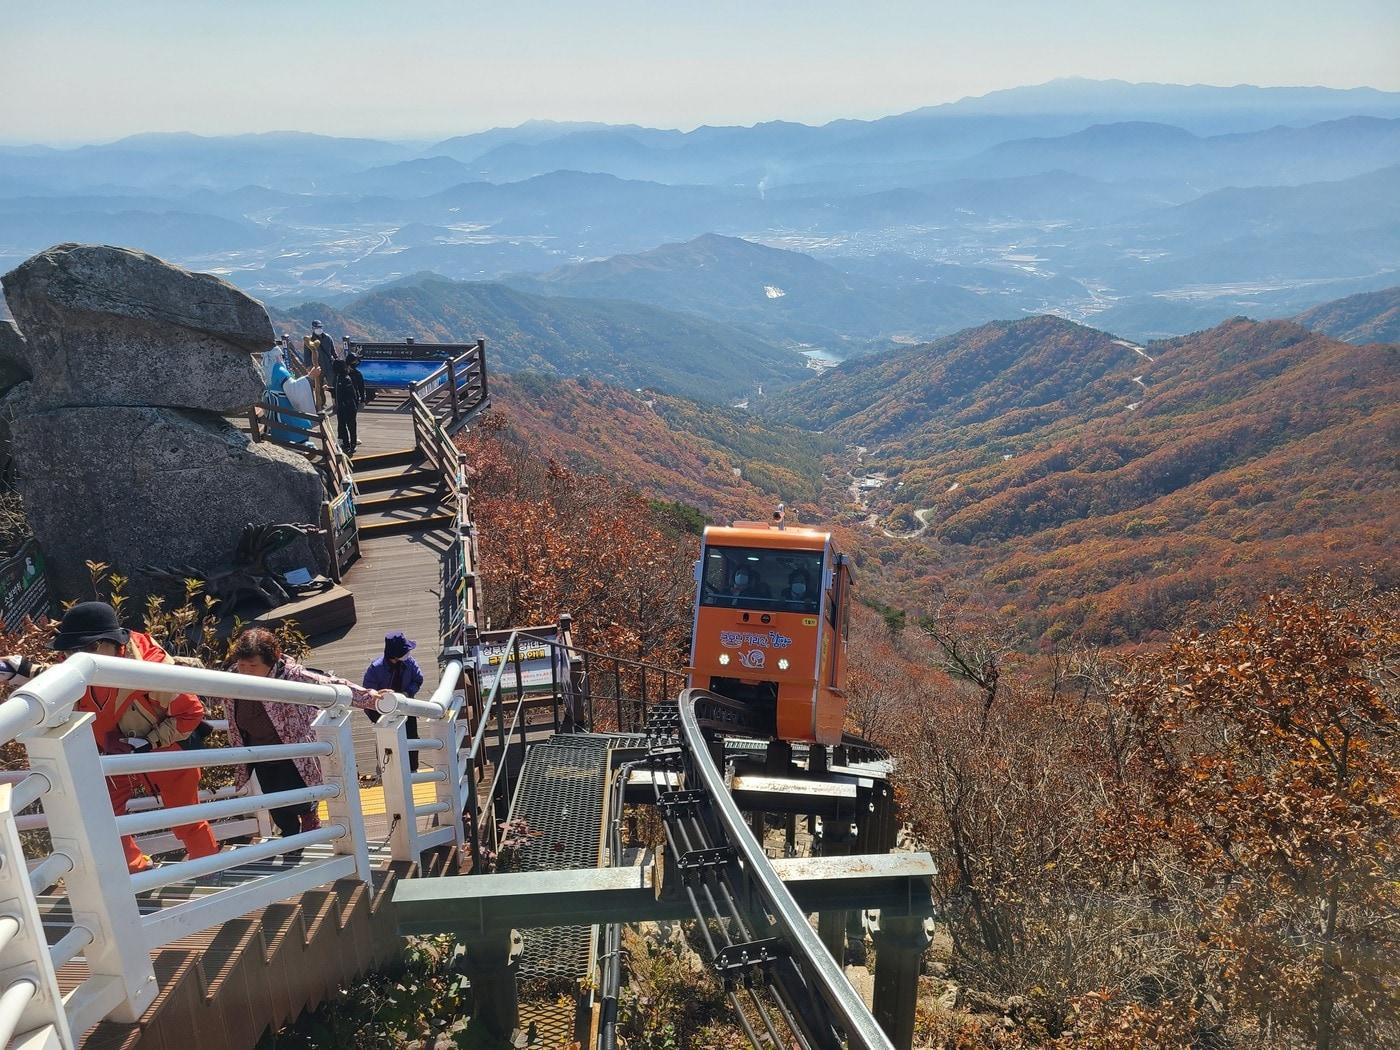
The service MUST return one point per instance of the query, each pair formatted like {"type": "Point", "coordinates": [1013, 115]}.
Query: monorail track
{"type": "Point", "coordinates": [784, 985]}
{"type": "Point", "coordinates": [698, 763]}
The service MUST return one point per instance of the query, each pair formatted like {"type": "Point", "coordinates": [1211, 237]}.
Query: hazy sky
{"type": "Point", "coordinates": [99, 69]}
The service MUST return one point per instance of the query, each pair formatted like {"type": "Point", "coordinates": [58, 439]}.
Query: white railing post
{"type": "Point", "coordinates": [82, 825]}
{"type": "Point", "coordinates": [25, 955]}
{"type": "Point", "coordinates": [332, 726]}
{"type": "Point", "coordinates": [446, 759]}
{"type": "Point", "coordinates": [391, 739]}
{"type": "Point", "coordinates": [261, 816]}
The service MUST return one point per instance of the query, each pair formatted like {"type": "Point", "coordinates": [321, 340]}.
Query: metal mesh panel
{"type": "Point", "coordinates": [560, 796]}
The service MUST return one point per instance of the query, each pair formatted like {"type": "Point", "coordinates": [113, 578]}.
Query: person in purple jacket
{"type": "Point", "coordinates": [400, 672]}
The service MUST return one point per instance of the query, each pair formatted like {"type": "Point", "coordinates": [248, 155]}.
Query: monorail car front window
{"type": "Point", "coordinates": [757, 578]}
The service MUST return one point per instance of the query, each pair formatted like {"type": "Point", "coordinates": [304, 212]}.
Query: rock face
{"type": "Point", "coordinates": [14, 356]}
{"type": "Point", "coordinates": [159, 487]}
{"type": "Point", "coordinates": [121, 450]}
{"type": "Point", "coordinates": [110, 326]}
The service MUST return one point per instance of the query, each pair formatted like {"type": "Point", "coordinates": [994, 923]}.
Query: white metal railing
{"type": "Point", "coordinates": [112, 934]}
{"type": "Point", "coordinates": [440, 734]}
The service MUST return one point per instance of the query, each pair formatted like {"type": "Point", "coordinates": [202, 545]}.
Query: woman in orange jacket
{"type": "Point", "coordinates": [132, 721]}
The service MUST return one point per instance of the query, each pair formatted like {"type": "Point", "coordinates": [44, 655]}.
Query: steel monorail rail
{"type": "Point", "coordinates": [860, 1027]}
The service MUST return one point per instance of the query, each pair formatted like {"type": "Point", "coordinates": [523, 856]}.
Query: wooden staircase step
{"type": "Point", "coordinates": [378, 481]}
{"type": "Point", "coordinates": [378, 460]}
{"type": "Point", "coordinates": [415, 496]}
{"type": "Point", "coordinates": [386, 526]}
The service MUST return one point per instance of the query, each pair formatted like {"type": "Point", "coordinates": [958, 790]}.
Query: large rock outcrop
{"type": "Point", "coordinates": [111, 326]}
{"type": "Point", "coordinates": [15, 366]}
{"type": "Point", "coordinates": [121, 451]}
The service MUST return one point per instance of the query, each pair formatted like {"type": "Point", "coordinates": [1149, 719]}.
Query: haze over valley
{"type": "Point", "coordinates": [1148, 210]}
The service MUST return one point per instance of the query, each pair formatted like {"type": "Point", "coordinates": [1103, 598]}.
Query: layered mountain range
{"type": "Point", "coordinates": [625, 343]}
{"type": "Point", "coordinates": [1085, 478]}
{"type": "Point", "coordinates": [1147, 209]}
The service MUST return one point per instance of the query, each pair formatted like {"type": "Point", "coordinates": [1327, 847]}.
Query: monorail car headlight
{"type": "Point", "coordinates": [783, 664]}
{"type": "Point", "coordinates": [724, 658]}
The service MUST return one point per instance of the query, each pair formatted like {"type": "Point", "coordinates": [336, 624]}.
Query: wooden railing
{"type": "Point", "coordinates": [307, 435]}
{"type": "Point", "coordinates": [314, 438]}
{"type": "Point", "coordinates": [457, 389]}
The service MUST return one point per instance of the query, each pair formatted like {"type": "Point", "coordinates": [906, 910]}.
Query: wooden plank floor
{"type": "Point", "coordinates": [396, 583]}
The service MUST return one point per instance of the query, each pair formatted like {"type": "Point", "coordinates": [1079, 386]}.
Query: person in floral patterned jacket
{"type": "Point", "coordinates": [252, 723]}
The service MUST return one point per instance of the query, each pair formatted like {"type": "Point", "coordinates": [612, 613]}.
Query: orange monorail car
{"type": "Point", "coordinates": [772, 611]}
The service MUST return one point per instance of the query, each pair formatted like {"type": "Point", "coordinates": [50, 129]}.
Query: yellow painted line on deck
{"type": "Point", "coordinates": [372, 799]}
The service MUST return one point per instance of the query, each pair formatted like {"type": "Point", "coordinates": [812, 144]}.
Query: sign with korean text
{"type": "Point", "coordinates": [536, 661]}
{"type": "Point", "coordinates": [24, 592]}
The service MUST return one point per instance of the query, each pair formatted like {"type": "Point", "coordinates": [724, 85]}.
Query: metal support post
{"type": "Point", "coordinates": [82, 825]}
{"type": "Point", "coordinates": [876, 823]}
{"type": "Point", "coordinates": [900, 942]}
{"type": "Point", "coordinates": [837, 840]}
{"type": "Point", "coordinates": [489, 962]}
{"type": "Point", "coordinates": [447, 760]}
{"type": "Point", "coordinates": [332, 726]}
{"type": "Point", "coordinates": [391, 741]}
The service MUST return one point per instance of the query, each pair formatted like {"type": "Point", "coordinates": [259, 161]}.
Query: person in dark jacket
{"type": "Point", "coordinates": [399, 672]}
{"type": "Point", "coordinates": [347, 407]}
{"type": "Point", "coordinates": [352, 362]}
{"type": "Point", "coordinates": [324, 347]}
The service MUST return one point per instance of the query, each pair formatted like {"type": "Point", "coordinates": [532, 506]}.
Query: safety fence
{"type": "Point", "coordinates": [517, 708]}
{"type": "Point", "coordinates": [455, 390]}
{"type": "Point", "coordinates": [314, 438]}
{"type": "Point", "coordinates": [436, 416]}
{"type": "Point", "coordinates": [78, 867]}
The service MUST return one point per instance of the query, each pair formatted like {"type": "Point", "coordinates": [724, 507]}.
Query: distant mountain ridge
{"type": "Point", "coordinates": [769, 290]}
{"type": "Point", "coordinates": [628, 344]}
{"type": "Point", "coordinates": [939, 134]}
{"type": "Point", "coordinates": [1370, 317]}
{"type": "Point", "coordinates": [1097, 485]}
{"type": "Point", "coordinates": [1153, 152]}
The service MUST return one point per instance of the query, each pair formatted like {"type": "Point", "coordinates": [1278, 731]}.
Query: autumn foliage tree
{"type": "Point", "coordinates": [1270, 760]}
{"type": "Point", "coordinates": [1198, 846]}
{"type": "Point", "coordinates": [554, 541]}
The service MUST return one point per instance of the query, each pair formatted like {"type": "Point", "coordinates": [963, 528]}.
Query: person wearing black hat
{"type": "Point", "coordinates": [398, 671]}
{"type": "Point", "coordinates": [128, 720]}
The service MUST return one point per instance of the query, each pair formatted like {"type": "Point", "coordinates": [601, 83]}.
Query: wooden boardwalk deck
{"type": "Point", "coordinates": [396, 583]}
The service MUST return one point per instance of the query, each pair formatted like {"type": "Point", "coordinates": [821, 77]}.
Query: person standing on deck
{"type": "Point", "coordinates": [398, 672]}
{"type": "Point", "coordinates": [252, 723]}
{"type": "Point", "coordinates": [347, 408]}
{"type": "Point", "coordinates": [129, 721]}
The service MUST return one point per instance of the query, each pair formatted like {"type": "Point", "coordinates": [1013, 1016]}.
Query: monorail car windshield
{"type": "Point", "coordinates": [757, 578]}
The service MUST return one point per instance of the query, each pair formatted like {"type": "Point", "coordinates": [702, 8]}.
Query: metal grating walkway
{"type": "Point", "coordinates": [560, 796]}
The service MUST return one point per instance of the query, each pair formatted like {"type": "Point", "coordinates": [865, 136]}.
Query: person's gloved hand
{"type": "Point", "coordinates": [15, 670]}
{"type": "Point", "coordinates": [116, 744]}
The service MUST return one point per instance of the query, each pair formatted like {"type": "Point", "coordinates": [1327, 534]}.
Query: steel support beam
{"type": "Point", "coordinates": [837, 796]}
{"type": "Point", "coordinates": [838, 839]}
{"type": "Point", "coordinates": [900, 942]}
{"type": "Point", "coordinates": [896, 884]}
